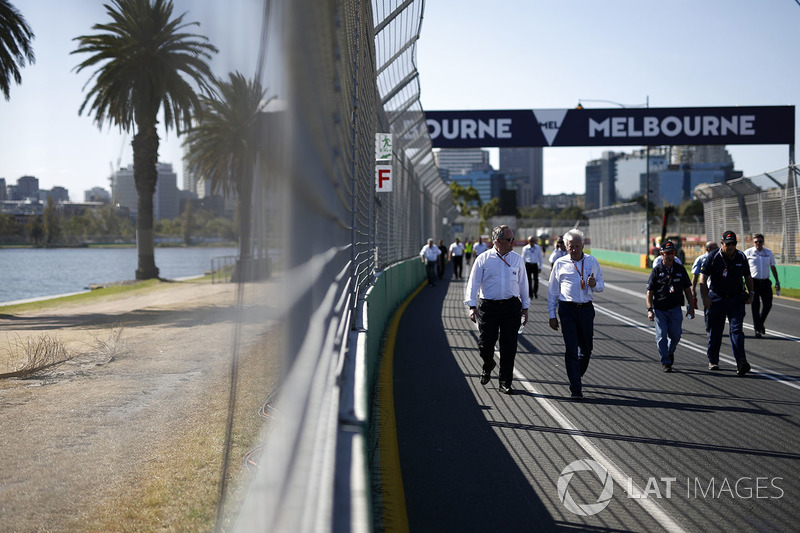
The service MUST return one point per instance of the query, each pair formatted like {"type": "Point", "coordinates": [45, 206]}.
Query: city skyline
{"type": "Point", "coordinates": [515, 55]}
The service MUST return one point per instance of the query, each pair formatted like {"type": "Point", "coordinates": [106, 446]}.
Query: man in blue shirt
{"type": "Point", "coordinates": [726, 287]}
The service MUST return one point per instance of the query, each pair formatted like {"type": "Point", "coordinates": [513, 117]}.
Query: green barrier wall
{"type": "Point", "coordinates": [391, 287]}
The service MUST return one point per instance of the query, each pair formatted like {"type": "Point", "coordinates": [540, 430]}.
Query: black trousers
{"type": "Point", "coordinates": [763, 296]}
{"type": "Point", "coordinates": [499, 319]}
{"type": "Point", "coordinates": [458, 262]}
{"type": "Point", "coordinates": [532, 269]}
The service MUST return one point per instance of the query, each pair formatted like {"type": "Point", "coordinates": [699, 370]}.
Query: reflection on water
{"type": "Point", "coordinates": [33, 273]}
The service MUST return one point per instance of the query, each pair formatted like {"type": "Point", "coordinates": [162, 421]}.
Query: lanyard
{"type": "Point", "coordinates": [580, 273]}
{"type": "Point", "coordinates": [502, 259]}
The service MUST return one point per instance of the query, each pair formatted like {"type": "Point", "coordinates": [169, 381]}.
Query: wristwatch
{"type": "Point", "coordinates": [649, 308]}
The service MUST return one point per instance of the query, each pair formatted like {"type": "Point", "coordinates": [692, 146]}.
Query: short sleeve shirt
{"type": "Point", "coordinates": [668, 285]}
{"type": "Point", "coordinates": [726, 276]}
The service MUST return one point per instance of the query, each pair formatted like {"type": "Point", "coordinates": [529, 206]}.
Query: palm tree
{"type": "Point", "coordinates": [224, 147]}
{"type": "Point", "coordinates": [15, 46]}
{"type": "Point", "coordinates": [143, 57]}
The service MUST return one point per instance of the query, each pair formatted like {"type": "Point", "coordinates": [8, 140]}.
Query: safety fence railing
{"type": "Point", "coordinates": [767, 203]}
{"type": "Point", "coordinates": [349, 73]}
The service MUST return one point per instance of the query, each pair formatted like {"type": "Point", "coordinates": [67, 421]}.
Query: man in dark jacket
{"type": "Point", "coordinates": [726, 288]}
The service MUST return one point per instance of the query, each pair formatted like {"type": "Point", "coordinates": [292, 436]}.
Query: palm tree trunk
{"type": "Point", "coordinates": [145, 174]}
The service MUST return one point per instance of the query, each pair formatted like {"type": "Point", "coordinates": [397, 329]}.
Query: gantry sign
{"type": "Point", "coordinates": [612, 127]}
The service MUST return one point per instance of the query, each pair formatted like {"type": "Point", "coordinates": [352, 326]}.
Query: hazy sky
{"type": "Point", "coordinates": [41, 133]}
{"type": "Point", "coordinates": [505, 54]}
{"type": "Point", "coordinates": [541, 54]}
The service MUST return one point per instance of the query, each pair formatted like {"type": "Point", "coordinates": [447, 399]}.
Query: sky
{"type": "Point", "coordinates": [547, 54]}
{"type": "Point", "coordinates": [41, 133]}
{"type": "Point", "coordinates": [472, 54]}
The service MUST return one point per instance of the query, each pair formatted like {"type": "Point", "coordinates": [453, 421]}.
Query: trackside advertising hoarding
{"type": "Point", "coordinates": [611, 127]}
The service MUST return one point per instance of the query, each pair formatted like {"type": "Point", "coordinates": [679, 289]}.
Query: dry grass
{"type": "Point", "coordinates": [28, 355]}
{"type": "Point", "coordinates": [111, 347]}
{"type": "Point", "coordinates": [179, 488]}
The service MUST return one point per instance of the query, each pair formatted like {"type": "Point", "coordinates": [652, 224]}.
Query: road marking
{"type": "Point", "coordinates": [756, 369]}
{"type": "Point", "coordinates": [649, 505]}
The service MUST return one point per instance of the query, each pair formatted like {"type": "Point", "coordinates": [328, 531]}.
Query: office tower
{"type": "Point", "coordinates": [526, 165]}
{"type": "Point", "coordinates": [165, 200]}
{"type": "Point", "coordinates": [462, 161]}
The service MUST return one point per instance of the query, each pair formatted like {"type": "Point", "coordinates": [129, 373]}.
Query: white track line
{"type": "Point", "coordinates": [649, 505]}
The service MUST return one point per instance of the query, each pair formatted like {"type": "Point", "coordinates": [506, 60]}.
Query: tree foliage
{"type": "Point", "coordinates": [15, 46]}
{"type": "Point", "coordinates": [465, 198]}
{"type": "Point", "coordinates": [224, 146]}
{"type": "Point", "coordinates": [143, 58]}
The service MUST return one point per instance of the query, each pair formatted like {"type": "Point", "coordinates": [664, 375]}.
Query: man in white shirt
{"type": "Point", "coordinates": [457, 257]}
{"type": "Point", "coordinates": [574, 279]}
{"type": "Point", "coordinates": [479, 247]}
{"type": "Point", "coordinates": [430, 257]}
{"type": "Point", "coordinates": [497, 297]}
{"type": "Point", "coordinates": [532, 255]}
{"type": "Point", "coordinates": [761, 261]}
{"type": "Point", "coordinates": [558, 252]}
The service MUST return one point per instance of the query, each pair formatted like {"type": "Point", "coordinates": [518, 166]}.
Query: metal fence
{"type": "Point", "coordinates": [767, 203]}
{"type": "Point", "coordinates": [349, 73]}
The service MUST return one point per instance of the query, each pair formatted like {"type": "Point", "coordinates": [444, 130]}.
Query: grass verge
{"type": "Point", "coordinates": [178, 490]}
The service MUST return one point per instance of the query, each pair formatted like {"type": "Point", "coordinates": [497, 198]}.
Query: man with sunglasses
{"type": "Point", "coordinates": [666, 287]}
{"type": "Point", "coordinates": [726, 287]}
{"type": "Point", "coordinates": [761, 261]}
{"type": "Point", "coordinates": [498, 300]}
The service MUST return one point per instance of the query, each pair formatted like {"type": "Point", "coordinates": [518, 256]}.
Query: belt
{"type": "Point", "coordinates": [576, 304]}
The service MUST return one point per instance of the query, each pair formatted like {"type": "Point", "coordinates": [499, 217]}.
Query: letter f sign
{"type": "Point", "coordinates": [383, 179]}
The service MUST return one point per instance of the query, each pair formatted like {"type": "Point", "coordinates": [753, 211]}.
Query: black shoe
{"type": "Point", "coordinates": [535, 295]}
{"type": "Point", "coordinates": [506, 389]}
{"type": "Point", "coordinates": [758, 334]}
{"type": "Point", "coordinates": [576, 396]}
{"type": "Point", "coordinates": [667, 368]}
{"type": "Point", "coordinates": [713, 366]}
{"type": "Point", "coordinates": [743, 369]}
{"type": "Point", "coordinates": [486, 375]}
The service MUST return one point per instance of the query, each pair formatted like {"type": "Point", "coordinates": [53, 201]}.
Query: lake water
{"type": "Point", "coordinates": [27, 273]}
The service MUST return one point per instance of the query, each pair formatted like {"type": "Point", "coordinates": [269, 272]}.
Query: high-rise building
{"type": "Point", "coordinates": [462, 160]}
{"type": "Point", "coordinates": [165, 199]}
{"type": "Point", "coordinates": [689, 155]}
{"type": "Point", "coordinates": [27, 188]}
{"type": "Point", "coordinates": [601, 177]}
{"type": "Point", "coordinates": [630, 169]}
{"type": "Point", "coordinates": [527, 166]}
{"type": "Point", "coordinates": [59, 194]}
{"type": "Point", "coordinates": [3, 191]}
{"type": "Point", "coordinates": [97, 194]}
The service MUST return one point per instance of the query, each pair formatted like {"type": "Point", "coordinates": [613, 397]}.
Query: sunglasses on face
{"type": "Point", "coordinates": [759, 242]}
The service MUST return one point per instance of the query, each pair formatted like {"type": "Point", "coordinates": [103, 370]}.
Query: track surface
{"type": "Point", "coordinates": [692, 450]}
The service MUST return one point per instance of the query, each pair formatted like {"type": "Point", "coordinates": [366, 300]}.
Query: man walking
{"type": "Point", "coordinates": [665, 290]}
{"type": "Point", "coordinates": [532, 255]}
{"type": "Point", "coordinates": [430, 258]}
{"type": "Point", "coordinates": [457, 257]}
{"type": "Point", "coordinates": [722, 285]}
{"type": "Point", "coordinates": [761, 261]}
{"type": "Point", "coordinates": [497, 297]}
{"type": "Point", "coordinates": [573, 281]}
{"type": "Point", "coordinates": [479, 247]}
{"type": "Point", "coordinates": [696, 267]}
{"type": "Point", "coordinates": [558, 252]}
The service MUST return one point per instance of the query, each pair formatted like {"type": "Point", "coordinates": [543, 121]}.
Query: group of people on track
{"type": "Point", "coordinates": [502, 283]}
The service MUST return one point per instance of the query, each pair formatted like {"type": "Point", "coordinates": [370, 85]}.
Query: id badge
{"type": "Point", "coordinates": [725, 273]}
{"type": "Point", "coordinates": [671, 289]}
{"type": "Point", "coordinates": [583, 285]}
